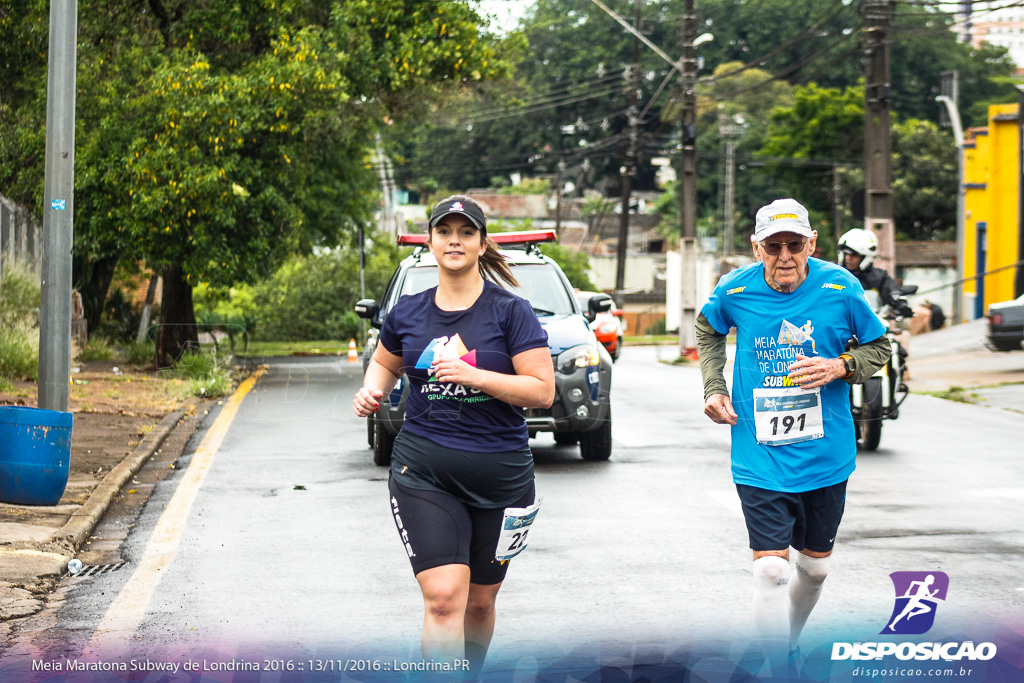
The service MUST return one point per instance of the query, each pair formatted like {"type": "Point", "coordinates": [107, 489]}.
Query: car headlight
{"type": "Point", "coordinates": [578, 357]}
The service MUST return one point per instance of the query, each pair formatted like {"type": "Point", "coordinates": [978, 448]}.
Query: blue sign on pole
{"type": "Point", "coordinates": [58, 204]}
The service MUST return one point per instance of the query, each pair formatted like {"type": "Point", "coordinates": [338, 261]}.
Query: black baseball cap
{"type": "Point", "coordinates": [468, 209]}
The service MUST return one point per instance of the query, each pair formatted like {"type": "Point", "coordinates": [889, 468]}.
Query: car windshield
{"type": "Point", "coordinates": [539, 284]}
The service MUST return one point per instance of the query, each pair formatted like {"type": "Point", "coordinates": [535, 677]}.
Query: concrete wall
{"type": "Point", "coordinates": [20, 238]}
{"type": "Point", "coordinates": [931, 278]}
{"type": "Point", "coordinates": [641, 271]}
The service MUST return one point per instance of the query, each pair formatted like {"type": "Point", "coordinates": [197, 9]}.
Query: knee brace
{"type": "Point", "coordinates": [771, 613]}
{"type": "Point", "coordinates": [813, 569]}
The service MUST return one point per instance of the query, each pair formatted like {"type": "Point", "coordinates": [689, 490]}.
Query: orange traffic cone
{"type": "Point", "coordinates": [353, 356]}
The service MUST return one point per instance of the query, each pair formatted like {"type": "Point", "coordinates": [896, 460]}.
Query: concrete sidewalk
{"type": "Point", "coordinates": [952, 357]}
{"type": "Point", "coordinates": [35, 550]}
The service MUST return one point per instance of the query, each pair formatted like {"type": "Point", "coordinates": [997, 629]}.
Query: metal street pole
{"type": "Point", "coordinates": [688, 187]}
{"type": "Point", "coordinates": [958, 137]}
{"type": "Point", "coordinates": [58, 209]}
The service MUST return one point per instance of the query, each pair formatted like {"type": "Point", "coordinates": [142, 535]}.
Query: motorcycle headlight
{"type": "Point", "coordinates": [608, 328]}
{"type": "Point", "coordinates": [578, 357]}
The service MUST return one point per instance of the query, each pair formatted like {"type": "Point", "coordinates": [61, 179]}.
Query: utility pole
{"type": "Point", "coordinates": [878, 213]}
{"type": "Point", "coordinates": [628, 169]}
{"type": "Point", "coordinates": [58, 209]}
{"type": "Point", "coordinates": [729, 132]}
{"type": "Point", "coordinates": [688, 187]}
{"type": "Point", "coordinates": [837, 220]}
{"type": "Point", "coordinates": [388, 217]}
{"type": "Point", "coordinates": [559, 183]}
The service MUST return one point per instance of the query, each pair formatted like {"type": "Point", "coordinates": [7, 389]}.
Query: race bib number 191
{"type": "Point", "coordinates": [791, 415]}
{"type": "Point", "coordinates": [515, 531]}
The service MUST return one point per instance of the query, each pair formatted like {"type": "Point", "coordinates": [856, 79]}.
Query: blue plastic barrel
{"type": "Point", "coordinates": [35, 455]}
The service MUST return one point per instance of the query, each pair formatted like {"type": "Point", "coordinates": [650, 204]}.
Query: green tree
{"type": "Point", "coordinates": [311, 297]}
{"type": "Point", "coordinates": [566, 116]}
{"type": "Point", "coordinates": [575, 265]}
{"type": "Point", "coordinates": [215, 142]}
{"type": "Point", "coordinates": [825, 126]}
{"type": "Point", "coordinates": [803, 144]}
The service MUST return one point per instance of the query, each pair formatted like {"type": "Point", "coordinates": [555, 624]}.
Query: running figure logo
{"type": "Point", "coordinates": [917, 596]}
{"type": "Point", "coordinates": [791, 335]}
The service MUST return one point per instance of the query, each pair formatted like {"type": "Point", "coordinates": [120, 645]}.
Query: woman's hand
{"type": "Point", "coordinates": [367, 401]}
{"type": "Point", "coordinates": [458, 371]}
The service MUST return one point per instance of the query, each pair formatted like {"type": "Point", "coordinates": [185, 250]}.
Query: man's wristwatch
{"type": "Point", "coordinates": [849, 363]}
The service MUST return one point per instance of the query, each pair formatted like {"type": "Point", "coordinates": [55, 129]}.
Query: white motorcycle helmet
{"type": "Point", "coordinates": [861, 242]}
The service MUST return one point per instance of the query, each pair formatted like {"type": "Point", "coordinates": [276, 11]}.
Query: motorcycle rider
{"type": "Point", "coordinates": [857, 251]}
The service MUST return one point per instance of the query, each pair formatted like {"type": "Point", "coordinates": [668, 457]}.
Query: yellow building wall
{"type": "Point", "coordinates": [991, 177]}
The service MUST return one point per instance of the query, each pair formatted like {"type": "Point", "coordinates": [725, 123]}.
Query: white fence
{"type": "Point", "coordinates": [20, 237]}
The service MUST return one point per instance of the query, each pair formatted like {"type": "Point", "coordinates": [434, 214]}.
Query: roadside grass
{"type": "Point", "coordinates": [140, 353]}
{"type": "Point", "coordinates": [264, 349]}
{"type": "Point", "coordinates": [97, 348]}
{"type": "Point", "coordinates": [956, 393]}
{"type": "Point", "coordinates": [206, 374]}
{"type": "Point", "coordinates": [651, 339]}
{"type": "Point", "coordinates": [662, 339]}
{"type": "Point", "coordinates": [19, 324]}
{"type": "Point", "coordinates": [19, 352]}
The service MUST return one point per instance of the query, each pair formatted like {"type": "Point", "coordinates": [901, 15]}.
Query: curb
{"type": "Point", "coordinates": [50, 558]}
{"type": "Point", "coordinates": [84, 520]}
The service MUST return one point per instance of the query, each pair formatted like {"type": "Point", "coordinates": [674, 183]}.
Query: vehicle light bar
{"type": "Point", "coordinates": [522, 237]}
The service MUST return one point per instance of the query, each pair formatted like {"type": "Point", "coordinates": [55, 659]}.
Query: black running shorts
{"type": "Point", "coordinates": [805, 521]}
{"type": "Point", "coordinates": [438, 529]}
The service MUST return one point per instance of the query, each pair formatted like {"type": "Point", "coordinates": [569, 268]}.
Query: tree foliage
{"type": "Point", "coordinates": [311, 297]}
{"type": "Point", "coordinates": [824, 127]}
{"type": "Point", "coordinates": [566, 117]}
{"type": "Point", "coordinates": [216, 139]}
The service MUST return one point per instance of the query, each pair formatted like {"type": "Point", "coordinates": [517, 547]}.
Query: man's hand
{"type": "Point", "coordinates": [811, 373]}
{"type": "Point", "coordinates": [719, 408]}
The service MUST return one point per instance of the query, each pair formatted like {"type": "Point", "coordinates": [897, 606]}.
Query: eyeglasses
{"type": "Point", "coordinates": [775, 248]}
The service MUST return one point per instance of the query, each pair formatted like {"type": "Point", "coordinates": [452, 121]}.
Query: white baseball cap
{"type": "Point", "coordinates": [782, 215]}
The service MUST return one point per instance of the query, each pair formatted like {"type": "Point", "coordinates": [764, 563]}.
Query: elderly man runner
{"type": "Point", "coordinates": [793, 440]}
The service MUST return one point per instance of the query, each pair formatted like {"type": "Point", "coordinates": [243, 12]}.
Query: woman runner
{"type": "Point", "coordinates": [475, 355]}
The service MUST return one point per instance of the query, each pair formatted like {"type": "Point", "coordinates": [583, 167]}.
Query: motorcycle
{"type": "Point", "coordinates": [881, 395]}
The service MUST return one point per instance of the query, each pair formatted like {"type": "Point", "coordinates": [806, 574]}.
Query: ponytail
{"type": "Point", "coordinates": [493, 265]}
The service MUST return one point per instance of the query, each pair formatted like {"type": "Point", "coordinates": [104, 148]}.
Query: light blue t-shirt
{"type": "Point", "coordinates": [816, 319]}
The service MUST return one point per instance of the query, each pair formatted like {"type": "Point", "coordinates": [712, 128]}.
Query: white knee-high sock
{"type": "Point", "coordinates": [771, 612]}
{"type": "Point", "coordinates": [804, 589]}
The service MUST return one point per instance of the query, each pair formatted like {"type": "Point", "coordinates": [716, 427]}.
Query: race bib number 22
{"type": "Point", "coordinates": [515, 531]}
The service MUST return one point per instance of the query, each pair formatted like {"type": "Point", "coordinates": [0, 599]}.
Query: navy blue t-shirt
{"type": "Point", "coordinates": [487, 335]}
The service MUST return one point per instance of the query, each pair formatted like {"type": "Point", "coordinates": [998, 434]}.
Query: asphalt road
{"type": "Point", "coordinates": [284, 549]}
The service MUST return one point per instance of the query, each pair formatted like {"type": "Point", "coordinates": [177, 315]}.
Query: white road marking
{"type": "Point", "coordinates": [128, 609]}
{"type": "Point", "coordinates": [728, 499]}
